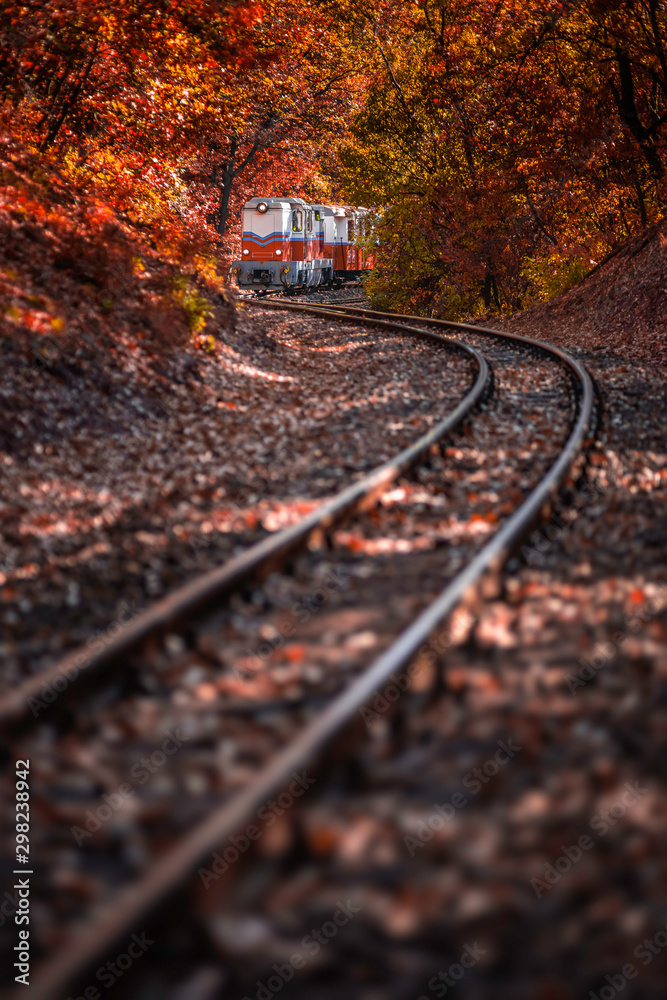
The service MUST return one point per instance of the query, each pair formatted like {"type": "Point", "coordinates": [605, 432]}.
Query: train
{"type": "Point", "coordinates": [291, 246]}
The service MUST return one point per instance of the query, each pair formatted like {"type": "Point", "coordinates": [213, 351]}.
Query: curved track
{"type": "Point", "coordinates": [205, 591]}
{"type": "Point", "coordinates": [140, 899]}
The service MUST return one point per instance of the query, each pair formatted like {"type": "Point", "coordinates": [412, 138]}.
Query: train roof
{"type": "Point", "coordinates": [338, 211]}
{"type": "Point", "coordinates": [271, 202]}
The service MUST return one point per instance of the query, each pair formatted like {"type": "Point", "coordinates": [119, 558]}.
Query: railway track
{"type": "Point", "coordinates": [291, 732]}
{"type": "Point", "coordinates": [343, 296]}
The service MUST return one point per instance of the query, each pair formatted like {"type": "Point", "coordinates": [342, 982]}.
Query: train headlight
{"type": "Point", "coordinates": [262, 208]}
{"type": "Point", "coordinates": [279, 253]}
{"type": "Point", "coordinates": [245, 253]}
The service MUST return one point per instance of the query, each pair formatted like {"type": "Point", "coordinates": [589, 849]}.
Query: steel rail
{"type": "Point", "coordinates": [259, 293]}
{"type": "Point", "coordinates": [372, 316]}
{"type": "Point", "coordinates": [204, 591]}
{"type": "Point", "coordinates": [176, 865]}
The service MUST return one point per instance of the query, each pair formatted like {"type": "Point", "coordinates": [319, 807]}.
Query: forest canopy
{"type": "Point", "coordinates": [507, 147]}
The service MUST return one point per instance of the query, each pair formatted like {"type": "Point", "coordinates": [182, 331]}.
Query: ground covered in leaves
{"type": "Point", "coordinates": [134, 456]}
{"type": "Point", "coordinates": [241, 684]}
{"type": "Point", "coordinates": [499, 835]}
{"type": "Point", "coordinates": [516, 814]}
{"type": "Point", "coordinates": [116, 494]}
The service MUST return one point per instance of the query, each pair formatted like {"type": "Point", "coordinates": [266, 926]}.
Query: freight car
{"type": "Point", "coordinates": [289, 245]}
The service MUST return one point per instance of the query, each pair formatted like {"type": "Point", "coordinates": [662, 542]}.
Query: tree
{"type": "Point", "coordinates": [162, 107]}
{"type": "Point", "coordinates": [513, 143]}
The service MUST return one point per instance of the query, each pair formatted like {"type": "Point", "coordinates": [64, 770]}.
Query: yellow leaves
{"type": "Point", "coordinates": [197, 309]}
{"type": "Point", "coordinates": [205, 342]}
{"type": "Point", "coordinates": [553, 274]}
{"type": "Point", "coordinates": [507, 136]}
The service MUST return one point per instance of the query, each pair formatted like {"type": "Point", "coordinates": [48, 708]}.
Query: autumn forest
{"type": "Point", "coordinates": [507, 148]}
{"type": "Point", "coordinates": [333, 472]}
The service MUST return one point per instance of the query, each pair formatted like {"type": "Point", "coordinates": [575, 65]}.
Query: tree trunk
{"type": "Point", "coordinates": [536, 215]}
{"type": "Point", "coordinates": [228, 175]}
{"type": "Point", "coordinates": [231, 170]}
{"type": "Point", "coordinates": [627, 108]}
{"type": "Point", "coordinates": [642, 203]}
{"type": "Point", "coordinates": [490, 289]}
{"type": "Point", "coordinates": [69, 103]}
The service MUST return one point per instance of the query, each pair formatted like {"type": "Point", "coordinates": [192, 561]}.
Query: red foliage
{"type": "Point", "coordinates": [74, 270]}
{"type": "Point", "coordinates": [168, 111]}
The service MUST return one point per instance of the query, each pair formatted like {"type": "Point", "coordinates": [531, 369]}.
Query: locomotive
{"type": "Point", "coordinates": [289, 245]}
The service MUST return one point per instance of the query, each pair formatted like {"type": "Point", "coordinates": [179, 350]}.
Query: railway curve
{"type": "Point", "coordinates": [139, 900]}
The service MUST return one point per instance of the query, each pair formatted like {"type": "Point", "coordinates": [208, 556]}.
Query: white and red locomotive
{"type": "Point", "coordinates": [291, 245]}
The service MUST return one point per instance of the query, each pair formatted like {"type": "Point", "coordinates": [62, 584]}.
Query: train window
{"type": "Point", "coordinates": [297, 221]}
{"type": "Point", "coordinates": [318, 217]}
{"type": "Point", "coordinates": [309, 221]}
{"type": "Point", "coordinates": [350, 229]}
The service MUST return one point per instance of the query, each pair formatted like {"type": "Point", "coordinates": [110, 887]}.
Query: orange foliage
{"type": "Point", "coordinates": [75, 273]}
{"type": "Point", "coordinates": [170, 113]}
{"type": "Point", "coordinates": [516, 143]}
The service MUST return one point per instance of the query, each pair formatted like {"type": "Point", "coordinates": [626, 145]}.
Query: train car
{"type": "Point", "coordinates": [344, 228]}
{"type": "Point", "coordinates": [288, 245]}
